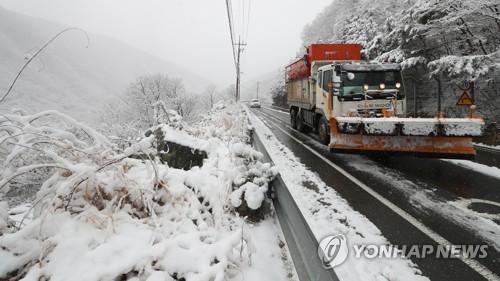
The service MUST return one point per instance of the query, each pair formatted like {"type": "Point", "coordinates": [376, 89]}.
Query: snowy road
{"type": "Point", "coordinates": [458, 201]}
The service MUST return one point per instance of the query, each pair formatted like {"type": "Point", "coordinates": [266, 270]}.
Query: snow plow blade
{"type": "Point", "coordinates": [422, 137]}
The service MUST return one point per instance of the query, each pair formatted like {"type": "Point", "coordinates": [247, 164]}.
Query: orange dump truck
{"type": "Point", "coordinates": [359, 107]}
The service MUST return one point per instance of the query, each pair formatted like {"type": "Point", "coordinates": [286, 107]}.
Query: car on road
{"type": "Point", "coordinates": [255, 103]}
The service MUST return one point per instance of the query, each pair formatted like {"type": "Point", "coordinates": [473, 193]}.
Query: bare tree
{"type": "Point", "coordinates": [211, 95]}
{"type": "Point", "coordinates": [185, 104]}
{"type": "Point", "coordinates": [150, 95]}
{"type": "Point", "coordinates": [278, 90]}
{"type": "Point", "coordinates": [148, 101]}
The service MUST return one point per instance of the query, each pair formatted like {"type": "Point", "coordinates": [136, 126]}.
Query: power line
{"type": "Point", "coordinates": [237, 47]}
{"type": "Point", "coordinates": [248, 18]}
{"type": "Point", "coordinates": [230, 19]}
{"type": "Point", "coordinates": [243, 20]}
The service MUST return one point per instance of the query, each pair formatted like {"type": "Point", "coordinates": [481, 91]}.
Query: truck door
{"type": "Point", "coordinates": [319, 80]}
{"type": "Point", "coordinates": [327, 78]}
{"type": "Point", "coordinates": [325, 81]}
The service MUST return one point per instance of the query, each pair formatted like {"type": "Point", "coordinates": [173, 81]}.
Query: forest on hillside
{"type": "Point", "coordinates": [440, 43]}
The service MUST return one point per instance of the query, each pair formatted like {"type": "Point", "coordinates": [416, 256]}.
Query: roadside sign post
{"type": "Point", "coordinates": [472, 92]}
{"type": "Point", "coordinates": [464, 100]}
{"type": "Point", "coordinates": [464, 85]}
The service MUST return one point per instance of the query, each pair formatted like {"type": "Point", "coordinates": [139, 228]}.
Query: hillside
{"type": "Point", "coordinates": [265, 81]}
{"type": "Point", "coordinates": [69, 76]}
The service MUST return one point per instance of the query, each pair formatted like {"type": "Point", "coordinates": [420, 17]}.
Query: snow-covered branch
{"type": "Point", "coordinates": [29, 57]}
{"type": "Point", "coordinates": [466, 68]}
{"type": "Point", "coordinates": [153, 219]}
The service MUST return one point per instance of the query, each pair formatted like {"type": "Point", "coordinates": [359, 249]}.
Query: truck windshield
{"type": "Point", "coordinates": [373, 79]}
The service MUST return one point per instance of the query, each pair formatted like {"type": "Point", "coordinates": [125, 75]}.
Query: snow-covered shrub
{"type": "Point", "coordinates": [101, 215]}
{"type": "Point", "coordinates": [226, 121]}
{"type": "Point", "coordinates": [249, 176]}
{"type": "Point", "coordinates": [4, 217]}
{"type": "Point", "coordinates": [219, 105]}
{"type": "Point", "coordinates": [251, 182]}
{"type": "Point", "coordinates": [32, 146]}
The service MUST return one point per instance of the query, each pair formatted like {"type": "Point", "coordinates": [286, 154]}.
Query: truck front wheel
{"type": "Point", "coordinates": [323, 131]}
{"type": "Point", "coordinates": [293, 119]}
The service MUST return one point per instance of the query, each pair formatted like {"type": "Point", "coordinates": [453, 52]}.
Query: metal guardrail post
{"type": "Point", "coordinates": [300, 239]}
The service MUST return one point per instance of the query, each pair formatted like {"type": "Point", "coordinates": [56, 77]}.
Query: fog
{"type": "Point", "coordinates": [191, 33]}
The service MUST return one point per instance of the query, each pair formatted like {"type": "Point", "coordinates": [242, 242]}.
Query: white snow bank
{"type": "Point", "coordinates": [483, 169]}
{"type": "Point", "coordinates": [497, 147]}
{"type": "Point", "coordinates": [416, 126]}
{"type": "Point", "coordinates": [102, 216]}
{"type": "Point", "coordinates": [182, 137]}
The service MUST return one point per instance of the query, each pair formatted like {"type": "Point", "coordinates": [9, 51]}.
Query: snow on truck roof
{"type": "Point", "coordinates": [371, 66]}
{"type": "Point", "coordinates": [361, 66]}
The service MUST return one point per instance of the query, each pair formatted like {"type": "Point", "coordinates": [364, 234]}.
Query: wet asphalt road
{"type": "Point", "coordinates": [455, 202]}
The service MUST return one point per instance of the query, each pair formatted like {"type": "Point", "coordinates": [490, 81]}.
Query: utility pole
{"type": "Point", "coordinates": [471, 91]}
{"type": "Point", "coordinates": [238, 72]}
{"type": "Point", "coordinates": [257, 89]}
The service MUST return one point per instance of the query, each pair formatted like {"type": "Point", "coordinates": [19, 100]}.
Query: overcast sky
{"type": "Point", "coordinates": [191, 33]}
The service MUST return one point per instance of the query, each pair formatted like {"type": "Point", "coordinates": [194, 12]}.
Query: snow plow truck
{"type": "Point", "coordinates": [359, 107]}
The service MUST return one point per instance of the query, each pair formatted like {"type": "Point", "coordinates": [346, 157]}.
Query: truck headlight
{"type": "Point", "coordinates": [365, 87]}
{"type": "Point", "coordinates": [382, 86]}
{"type": "Point", "coordinates": [398, 85]}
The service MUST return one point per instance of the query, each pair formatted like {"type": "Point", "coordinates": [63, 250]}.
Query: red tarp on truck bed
{"type": "Point", "coordinates": [301, 69]}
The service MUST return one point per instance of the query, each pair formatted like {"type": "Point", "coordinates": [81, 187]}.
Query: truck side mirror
{"type": "Point", "coordinates": [336, 82]}
{"type": "Point", "coordinates": [334, 88]}
{"type": "Point", "coordinates": [335, 85]}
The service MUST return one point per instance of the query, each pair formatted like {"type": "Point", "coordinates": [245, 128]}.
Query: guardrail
{"type": "Point", "coordinates": [489, 156]}
{"type": "Point", "coordinates": [300, 239]}
{"type": "Point", "coordinates": [280, 108]}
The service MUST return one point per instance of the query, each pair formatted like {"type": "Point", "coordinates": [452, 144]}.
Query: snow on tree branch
{"type": "Point", "coordinates": [153, 221]}
{"type": "Point", "coordinates": [465, 68]}
{"type": "Point", "coordinates": [28, 57]}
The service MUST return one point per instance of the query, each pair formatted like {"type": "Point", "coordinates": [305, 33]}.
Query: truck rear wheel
{"type": "Point", "coordinates": [301, 127]}
{"type": "Point", "coordinates": [293, 119]}
{"type": "Point", "coordinates": [323, 131]}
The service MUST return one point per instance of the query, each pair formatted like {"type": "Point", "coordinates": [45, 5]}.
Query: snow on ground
{"type": "Point", "coordinates": [101, 215]}
{"type": "Point", "coordinates": [483, 169]}
{"type": "Point", "coordinates": [425, 199]}
{"type": "Point", "coordinates": [497, 147]}
{"type": "Point", "coordinates": [278, 110]}
{"type": "Point", "coordinates": [327, 213]}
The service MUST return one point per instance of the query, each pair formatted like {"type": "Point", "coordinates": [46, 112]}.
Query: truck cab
{"type": "Point", "coordinates": [344, 88]}
{"type": "Point", "coordinates": [361, 89]}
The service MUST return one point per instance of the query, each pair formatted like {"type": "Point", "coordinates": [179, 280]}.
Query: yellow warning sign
{"type": "Point", "coordinates": [464, 99]}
